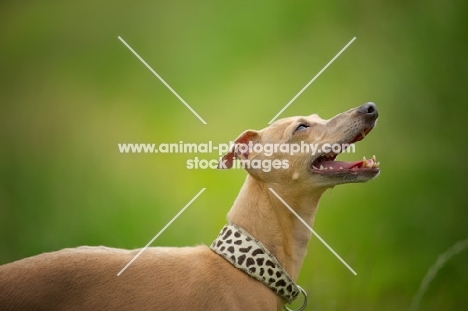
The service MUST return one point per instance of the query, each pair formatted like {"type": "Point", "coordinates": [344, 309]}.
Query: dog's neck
{"type": "Point", "coordinates": [264, 216]}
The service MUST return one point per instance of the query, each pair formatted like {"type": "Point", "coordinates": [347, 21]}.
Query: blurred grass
{"type": "Point", "coordinates": [70, 91]}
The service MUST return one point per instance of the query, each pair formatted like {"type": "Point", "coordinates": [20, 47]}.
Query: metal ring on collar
{"type": "Point", "coordinates": [304, 304]}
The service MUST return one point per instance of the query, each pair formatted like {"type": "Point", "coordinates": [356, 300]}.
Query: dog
{"type": "Point", "coordinates": [252, 264]}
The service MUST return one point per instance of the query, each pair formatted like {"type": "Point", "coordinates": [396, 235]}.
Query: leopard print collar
{"type": "Point", "coordinates": [249, 255]}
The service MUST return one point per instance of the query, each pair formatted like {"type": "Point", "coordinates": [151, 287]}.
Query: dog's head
{"type": "Point", "coordinates": [304, 149]}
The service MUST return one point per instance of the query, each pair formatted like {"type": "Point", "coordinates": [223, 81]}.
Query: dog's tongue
{"type": "Point", "coordinates": [337, 165]}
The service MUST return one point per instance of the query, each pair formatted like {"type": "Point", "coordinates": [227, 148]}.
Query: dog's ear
{"type": "Point", "coordinates": [240, 149]}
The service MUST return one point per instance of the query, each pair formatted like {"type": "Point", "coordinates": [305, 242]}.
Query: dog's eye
{"type": "Point", "coordinates": [301, 127]}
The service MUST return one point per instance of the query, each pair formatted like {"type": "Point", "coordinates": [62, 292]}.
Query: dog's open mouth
{"type": "Point", "coordinates": [326, 164]}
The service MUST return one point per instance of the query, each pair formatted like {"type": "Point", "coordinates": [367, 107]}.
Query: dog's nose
{"type": "Point", "coordinates": [370, 110]}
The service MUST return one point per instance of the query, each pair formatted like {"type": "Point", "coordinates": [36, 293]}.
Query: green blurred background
{"type": "Point", "coordinates": [70, 91]}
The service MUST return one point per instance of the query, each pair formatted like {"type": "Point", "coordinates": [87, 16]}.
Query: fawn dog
{"type": "Point", "coordinates": [253, 263]}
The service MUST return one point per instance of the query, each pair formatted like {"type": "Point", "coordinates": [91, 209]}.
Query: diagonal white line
{"type": "Point", "coordinates": [162, 80]}
{"type": "Point", "coordinates": [159, 233]}
{"type": "Point", "coordinates": [313, 79]}
{"type": "Point", "coordinates": [312, 230]}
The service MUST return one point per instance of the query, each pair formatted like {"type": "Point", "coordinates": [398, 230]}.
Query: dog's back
{"type": "Point", "coordinates": [189, 278]}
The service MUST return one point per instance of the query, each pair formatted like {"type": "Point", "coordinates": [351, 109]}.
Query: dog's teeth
{"type": "Point", "coordinates": [331, 168]}
{"type": "Point", "coordinates": [326, 168]}
{"type": "Point", "coordinates": [377, 164]}
{"type": "Point", "coordinates": [341, 168]}
{"type": "Point", "coordinates": [374, 158]}
{"type": "Point", "coordinates": [321, 167]}
{"type": "Point", "coordinates": [364, 159]}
